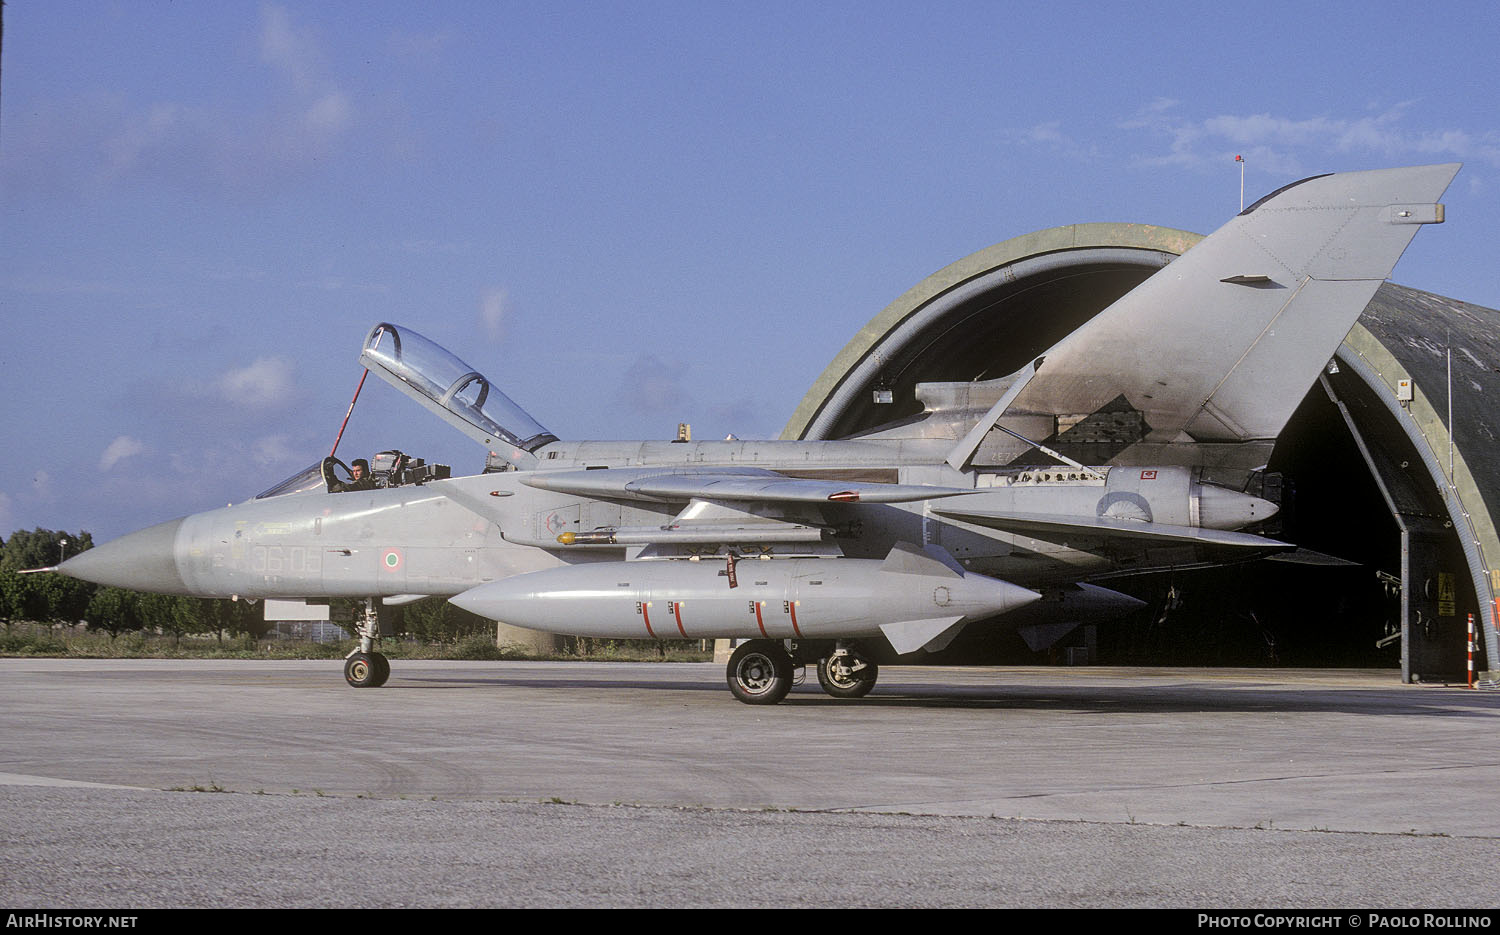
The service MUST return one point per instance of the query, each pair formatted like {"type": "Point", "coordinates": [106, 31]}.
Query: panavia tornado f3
{"type": "Point", "coordinates": [839, 553]}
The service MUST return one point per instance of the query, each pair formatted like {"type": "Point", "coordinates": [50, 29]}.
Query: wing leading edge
{"type": "Point", "coordinates": [668, 486]}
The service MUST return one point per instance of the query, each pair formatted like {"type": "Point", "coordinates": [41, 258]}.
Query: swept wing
{"type": "Point", "coordinates": [659, 485]}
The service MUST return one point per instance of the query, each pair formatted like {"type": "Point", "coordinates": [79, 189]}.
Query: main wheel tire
{"type": "Point", "coordinates": [382, 669]}
{"type": "Point", "coordinates": [361, 670]}
{"type": "Point", "coordinates": [841, 683]}
{"type": "Point", "coordinates": [760, 672]}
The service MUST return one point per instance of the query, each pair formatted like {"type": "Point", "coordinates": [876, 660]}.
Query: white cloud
{"type": "Point", "coordinates": [104, 138]}
{"type": "Point", "coordinates": [329, 115]}
{"type": "Point", "coordinates": [1287, 145]}
{"type": "Point", "coordinates": [493, 308]}
{"type": "Point", "coordinates": [118, 450]}
{"type": "Point", "coordinates": [292, 52]}
{"type": "Point", "coordinates": [1050, 135]}
{"type": "Point", "coordinates": [1050, 132]}
{"type": "Point", "coordinates": [321, 110]}
{"type": "Point", "coordinates": [266, 382]}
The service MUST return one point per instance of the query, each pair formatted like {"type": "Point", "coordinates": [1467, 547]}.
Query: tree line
{"type": "Point", "coordinates": [54, 599]}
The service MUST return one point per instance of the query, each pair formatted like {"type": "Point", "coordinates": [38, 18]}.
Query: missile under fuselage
{"type": "Point", "coordinates": [776, 599]}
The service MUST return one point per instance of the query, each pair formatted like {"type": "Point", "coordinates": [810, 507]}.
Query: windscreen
{"type": "Point", "coordinates": [309, 478]}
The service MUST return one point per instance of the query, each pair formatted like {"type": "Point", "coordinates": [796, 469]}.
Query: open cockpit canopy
{"type": "Point", "coordinates": [445, 385]}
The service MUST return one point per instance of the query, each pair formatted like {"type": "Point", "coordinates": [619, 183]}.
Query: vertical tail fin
{"type": "Point", "coordinates": [1220, 345]}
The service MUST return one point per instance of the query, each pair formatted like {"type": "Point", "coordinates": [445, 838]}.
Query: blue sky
{"type": "Point", "coordinates": [626, 214]}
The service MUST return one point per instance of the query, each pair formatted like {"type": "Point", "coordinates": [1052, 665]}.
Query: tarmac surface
{"type": "Point", "coordinates": [144, 783]}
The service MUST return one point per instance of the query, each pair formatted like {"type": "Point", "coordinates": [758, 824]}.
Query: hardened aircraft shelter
{"type": "Point", "coordinates": [1407, 402]}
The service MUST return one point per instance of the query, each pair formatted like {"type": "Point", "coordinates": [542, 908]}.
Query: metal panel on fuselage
{"type": "Point", "coordinates": [405, 540]}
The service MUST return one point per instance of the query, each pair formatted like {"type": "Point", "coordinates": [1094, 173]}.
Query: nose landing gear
{"type": "Point", "coordinates": [365, 667]}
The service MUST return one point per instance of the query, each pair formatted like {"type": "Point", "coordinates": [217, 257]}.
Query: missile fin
{"type": "Point", "coordinates": [1045, 635]}
{"type": "Point", "coordinates": [907, 558]}
{"type": "Point", "coordinates": [908, 636]}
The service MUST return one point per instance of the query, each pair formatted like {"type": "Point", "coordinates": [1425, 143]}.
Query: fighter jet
{"type": "Point", "coordinates": [839, 553]}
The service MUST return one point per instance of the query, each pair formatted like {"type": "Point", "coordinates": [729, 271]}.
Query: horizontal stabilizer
{"type": "Point", "coordinates": [908, 636]}
{"type": "Point", "coordinates": [1309, 557]}
{"type": "Point", "coordinates": [658, 485]}
{"type": "Point", "coordinates": [1052, 525]}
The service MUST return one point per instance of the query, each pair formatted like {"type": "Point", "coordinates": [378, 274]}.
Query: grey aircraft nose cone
{"type": "Point", "coordinates": [145, 560]}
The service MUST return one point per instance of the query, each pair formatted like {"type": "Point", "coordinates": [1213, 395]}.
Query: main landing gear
{"type": "Point", "coordinates": [762, 671]}
{"type": "Point", "coordinates": [366, 668]}
{"type": "Point", "coordinates": [844, 673]}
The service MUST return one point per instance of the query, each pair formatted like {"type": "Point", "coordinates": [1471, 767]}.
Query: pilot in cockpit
{"type": "Point", "coordinates": [360, 478]}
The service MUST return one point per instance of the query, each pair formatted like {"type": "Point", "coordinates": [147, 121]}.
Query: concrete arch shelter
{"type": "Point", "coordinates": [1410, 385]}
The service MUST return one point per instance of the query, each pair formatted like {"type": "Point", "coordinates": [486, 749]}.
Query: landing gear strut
{"type": "Point", "coordinates": [844, 673]}
{"type": "Point", "coordinates": [760, 672]}
{"type": "Point", "coordinates": [366, 668]}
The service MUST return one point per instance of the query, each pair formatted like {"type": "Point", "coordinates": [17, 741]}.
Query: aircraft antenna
{"type": "Point", "coordinates": [349, 413]}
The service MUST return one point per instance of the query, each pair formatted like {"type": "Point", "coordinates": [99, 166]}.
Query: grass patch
{"type": "Point", "coordinates": [32, 644]}
{"type": "Point", "coordinates": [34, 640]}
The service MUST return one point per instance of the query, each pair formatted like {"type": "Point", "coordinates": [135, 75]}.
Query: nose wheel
{"type": "Point", "coordinates": [760, 672]}
{"type": "Point", "coordinates": [367, 670]}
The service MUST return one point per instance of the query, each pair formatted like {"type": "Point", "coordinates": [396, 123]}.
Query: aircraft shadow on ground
{"type": "Point", "coordinates": [1238, 697]}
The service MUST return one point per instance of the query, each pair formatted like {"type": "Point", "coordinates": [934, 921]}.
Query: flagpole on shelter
{"type": "Point", "coordinates": [1241, 161]}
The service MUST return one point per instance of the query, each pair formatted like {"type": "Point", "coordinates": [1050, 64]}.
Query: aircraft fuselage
{"type": "Point", "coordinates": [444, 537]}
